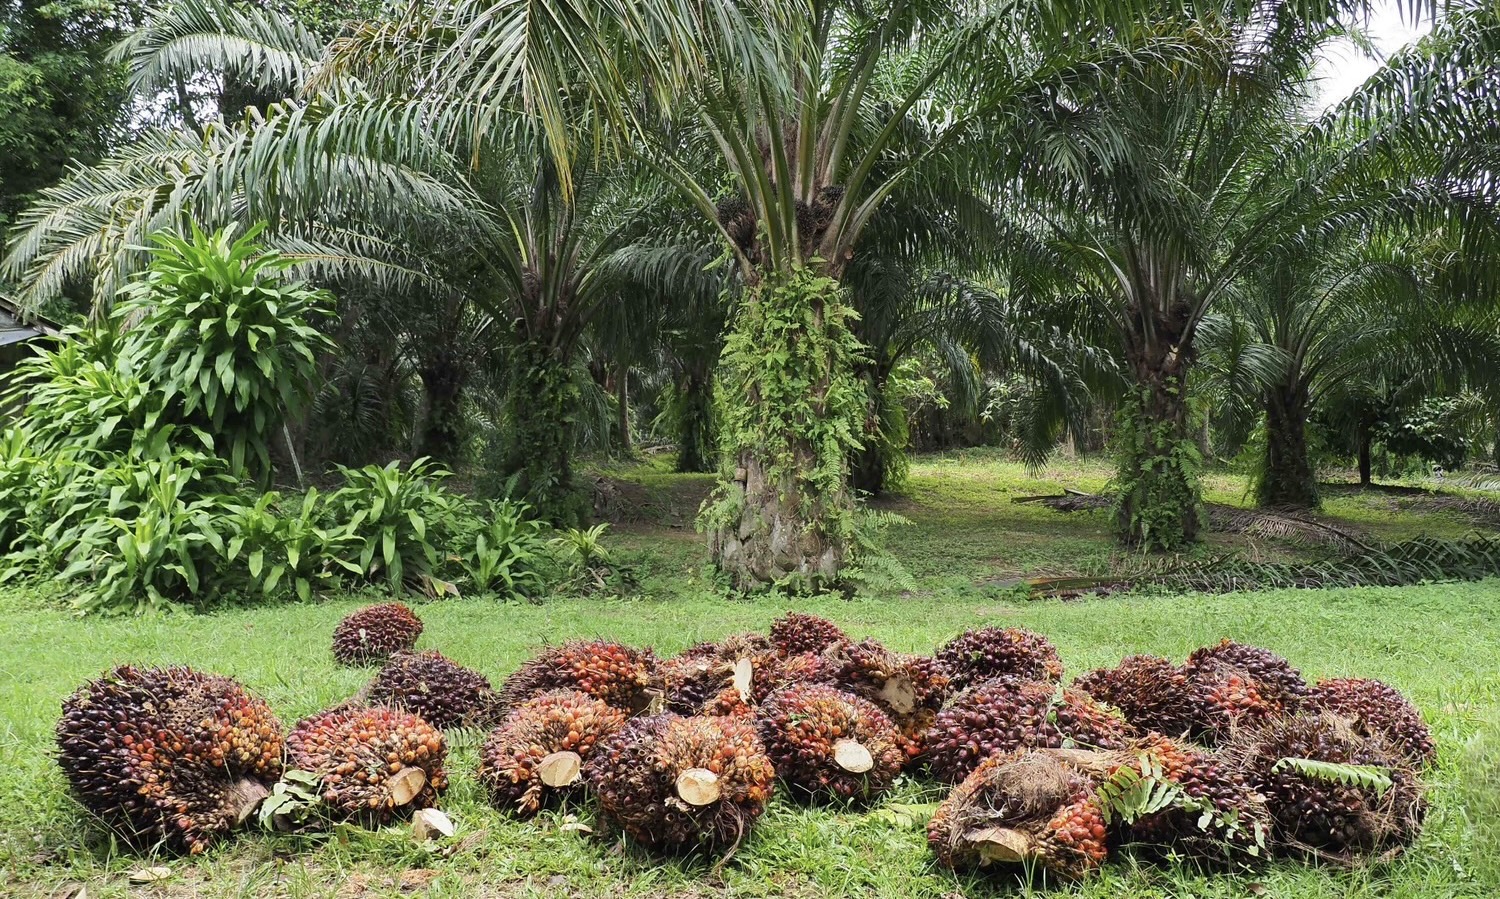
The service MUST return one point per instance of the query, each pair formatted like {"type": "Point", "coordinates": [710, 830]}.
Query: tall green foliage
{"type": "Point", "coordinates": [792, 413]}
{"type": "Point", "coordinates": [229, 345]}
{"type": "Point", "coordinates": [1159, 504]}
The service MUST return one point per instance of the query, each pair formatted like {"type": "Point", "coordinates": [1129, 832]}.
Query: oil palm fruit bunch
{"type": "Point", "coordinates": [748, 659]}
{"type": "Point", "coordinates": [375, 633]}
{"type": "Point", "coordinates": [538, 753]}
{"type": "Point", "coordinates": [909, 688]}
{"type": "Point", "coordinates": [168, 756]}
{"type": "Point", "coordinates": [1281, 685]}
{"type": "Point", "coordinates": [1334, 792]}
{"type": "Point", "coordinates": [1215, 814]}
{"type": "Point", "coordinates": [978, 655]}
{"type": "Point", "coordinates": [733, 648]}
{"type": "Point", "coordinates": [795, 633]}
{"type": "Point", "coordinates": [1377, 709]}
{"type": "Point", "coordinates": [827, 743]}
{"type": "Point", "coordinates": [612, 672]}
{"type": "Point", "coordinates": [1006, 714]}
{"type": "Point", "coordinates": [1032, 808]}
{"type": "Point", "coordinates": [1222, 698]}
{"type": "Point", "coordinates": [371, 762]}
{"type": "Point", "coordinates": [689, 683]}
{"type": "Point", "coordinates": [679, 783]}
{"type": "Point", "coordinates": [802, 668]}
{"type": "Point", "coordinates": [440, 690]}
{"type": "Point", "coordinates": [1151, 692]}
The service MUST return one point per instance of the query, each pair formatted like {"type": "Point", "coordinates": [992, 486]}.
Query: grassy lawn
{"type": "Point", "coordinates": [1439, 643]}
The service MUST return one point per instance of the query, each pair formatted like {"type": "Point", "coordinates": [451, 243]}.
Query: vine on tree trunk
{"type": "Point", "coordinates": [533, 458]}
{"type": "Point", "coordinates": [1160, 504]}
{"type": "Point", "coordinates": [792, 414]}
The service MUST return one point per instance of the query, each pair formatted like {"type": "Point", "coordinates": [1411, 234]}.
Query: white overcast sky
{"type": "Point", "coordinates": [1345, 67]}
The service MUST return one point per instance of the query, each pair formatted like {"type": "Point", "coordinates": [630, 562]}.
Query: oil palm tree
{"type": "Point", "coordinates": [381, 190]}
{"type": "Point", "coordinates": [1170, 192]}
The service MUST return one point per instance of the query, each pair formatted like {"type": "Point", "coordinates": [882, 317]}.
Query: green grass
{"type": "Point", "coordinates": [1439, 643]}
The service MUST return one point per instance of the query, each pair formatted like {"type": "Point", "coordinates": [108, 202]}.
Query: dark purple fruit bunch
{"type": "Point", "coordinates": [612, 672]}
{"type": "Point", "coordinates": [168, 755]}
{"type": "Point", "coordinates": [1377, 709]}
{"type": "Point", "coordinates": [910, 689]}
{"type": "Point", "coordinates": [688, 684]}
{"type": "Point", "coordinates": [676, 783]}
{"type": "Point", "coordinates": [1372, 807]}
{"type": "Point", "coordinates": [537, 755]}
{"type": "Point", "coordinates": [803, 668]}
{"type": "Point", "coordinates": [826, 743]}
{"type": "Point", "coordinates": [795, 633]}
{"type": "Point", "coordinates": [1279, 684]}
{"type": "Point", "coordinates": [372, 763]}
{"type": "Point", "coordinates": [976, 656]}
{"type": "Point", "coordinates": [440, 690]}
{"type": "Point", "coordinates": [1005, 714]}
{"type": "Point", "coordinates": [1031, 809]}
{"type": "Point", "coordinates": [375, 633]}
{"type": "Point", "coordinates": [1151, 692]}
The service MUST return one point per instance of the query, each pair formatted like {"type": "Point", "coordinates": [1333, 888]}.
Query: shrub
{"type": "Point", "coordinates": [398, 521]}
{"type": "Point", "coordinates": [230, 346]}
{"type": "Point", "coordinates": [507, 555]}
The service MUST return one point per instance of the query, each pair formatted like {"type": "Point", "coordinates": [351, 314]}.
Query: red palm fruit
{"type": "Point", "coordinates": [612, 672]}
{"type": "Point", "coordinates": [538, 753]}
{"type": "Point", "coordinates": [908, 688]}
{"type": "Point", "coordinates": [978, 655]}
{"type": "Point", "coordinates": [730, 702]}
{"type": "Point", "coordinates": [1278, 683]}
{"type": "Point", "coordinates": [1326, 815]}
{"type": "Point", "coordinates": [1032, 808]}
{"type": "Point", "coordinates": [1377, 709]}
{"type": "Point", "coordinates": [677, 783]}
{"type": "Point", "coordinates": [440, 690]}
{"type": "Point", "coordinates": [168, 755]}
{"type": "Point", "coordinates": [372, 763]}
{"type": "Point", "coordinates": [375, 633]}
{"type": "Point", "coordinates": [1222, 698]}
{"type": "Point", "coordinates": [689, 683]}
{"type": "Point", "coordinates": [1152, 693]}
{"type": "Point", "coordinates": [795, 633]}
{"type": "Point", "coordinates": [827, 743]}
{"type": "Point", "coordinates": [804, 668]}
{"type": "Point", "coordinates": [1005, 714]}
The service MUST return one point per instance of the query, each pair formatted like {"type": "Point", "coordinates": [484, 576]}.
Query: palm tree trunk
{"type": "Point", "coordinates": [868, 466]}
{"type": "Point", "coordinates": [786, 515]}
{"type": "Point", "coordinates": [1288, 480]}
{"type": "Point", "coordinates": [695, 422]}
{"type": "Point", "coordinates": [1363, 439]}
{"type": "Point", "coordinates": [622, 407]}
{"type": "Point", "coordinates": [1159, 505]}
{"type": "Point", "coordinates": [443, 381]}
{"type": "Point", "coordinates": [536, 451]}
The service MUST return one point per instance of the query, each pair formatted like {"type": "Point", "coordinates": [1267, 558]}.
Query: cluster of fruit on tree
{"type": "Point", "coordinates": [1230, 755]}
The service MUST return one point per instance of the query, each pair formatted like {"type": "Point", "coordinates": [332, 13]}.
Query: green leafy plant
{"type": "Point", "coordinates": [589, 566]}
{"type": "Point", "coordinates": [155, 533]}
{"type": "Point", "coordinates": [229, 343]}
{"type": "Point", "coordinates": [288, 550]}
{"type": "Point", "coordinates": [508, 555]}
{"type": "Point", "coordinates": [397, 522]}
{"type": "Point", "coordinates": [1369, 777]}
